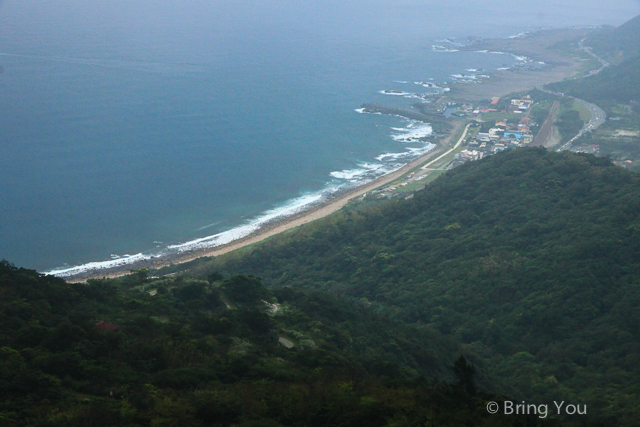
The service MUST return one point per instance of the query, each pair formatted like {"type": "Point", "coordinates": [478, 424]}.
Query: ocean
{"type": "Point", "coordinates": [134, 127]}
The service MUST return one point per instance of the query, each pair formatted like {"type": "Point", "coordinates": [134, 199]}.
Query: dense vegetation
{"type": "Point", "coordinates": [615, 84]}
{"type": "Point", "coordinates": [569, 124]}
{"type": "Point", "coordinates": [528, 258]}
{"type": "Point", "coordinates": [188, 352]}
{"type": "Point", "coordinates": [619, 83]}
{"type": "Point", "coordinates": [617, 90]}
{"type": "Point", "coordinates": [527, 262]}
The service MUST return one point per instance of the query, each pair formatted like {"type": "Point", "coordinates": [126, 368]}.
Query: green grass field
{"type": "Point", "coordinates": [498, 117]}
{"type": "Point", "coordinates": [585, 114]}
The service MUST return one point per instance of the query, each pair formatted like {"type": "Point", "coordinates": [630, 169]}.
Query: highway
{"type": "Point", "coordinates": [589, 51]}
{"type": "Point", "coordinates": [598, 116]}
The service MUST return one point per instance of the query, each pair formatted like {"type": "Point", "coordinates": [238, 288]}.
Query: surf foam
{"type": "Point", "coordinates": [99, 265]}
{"type": "Point", "coordinates": [413, 132]}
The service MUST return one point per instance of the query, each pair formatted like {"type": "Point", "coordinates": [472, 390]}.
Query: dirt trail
{"type": "Point", "coordinates": [548, 128]}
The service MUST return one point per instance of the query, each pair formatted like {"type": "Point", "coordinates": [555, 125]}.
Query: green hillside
{"type": "Point", "coordinates": [616, 84]}
{"type": "Point", "coordinates": [189, 352]}
{"type": "Point", "coordinates": [619, 43]}
{"type": "Point", "coordinates": [530, 259]}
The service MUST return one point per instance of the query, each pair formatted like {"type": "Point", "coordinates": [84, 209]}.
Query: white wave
{"type": "Point", "coordinates": [504, 68]}
{"type": "Point", "coordinates": [437, 48]}
{"type": "Point", "coordinates": [206, 226]}
{"type": "Point", "coordinates": [411, 152]}
{"type": "Point", "coordinates": [519, 35]}
{"type": "Point", "coordinates": [463, 77]}
{"type": "Point", "coordinates": [400, 81]}
{"type": "Point", "coordinates": [363, 173]}
{"type": "Point", "coordinates": [393, 156]}
{"type": "Point", "coordinates": [520, 58]}
{"type": "Point", "coordinates": [473, 70]}
{"type": "Point", "coordinates": [362, 111]}
{"type": "Point", "coordinates": [394, 93]}
{"type": "Point", "coordinates": [416, 96]}
{"type": "Point", "coordinates": [99, 265]}
{"type": "Point", "coordinates": [347, 173]}
{"type": "Point", "coordinates": [481, 51]}
{"type": "Point", "coordinates": [362, 170]}
{"type": "Point", "coordinates": [412, 133]}
{"type": "Point", "coordinates": [290, 208]}
{"type": "Point", "coordinates": [498, 53]}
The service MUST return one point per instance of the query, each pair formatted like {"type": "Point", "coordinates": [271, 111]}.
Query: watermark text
{"type": "Point", "coordinates": [542, 411]}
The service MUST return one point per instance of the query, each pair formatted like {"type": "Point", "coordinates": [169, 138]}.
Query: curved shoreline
{"type": "Point", "coordinates": [500, 83]}
{"type": "Point", "coordinates": [319, 211]}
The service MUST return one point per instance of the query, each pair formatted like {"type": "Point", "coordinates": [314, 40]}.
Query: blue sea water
{"type": "Point", "coordinates": [129, 126]}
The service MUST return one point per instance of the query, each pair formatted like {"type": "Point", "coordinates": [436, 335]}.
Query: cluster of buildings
{"type": "Point", "coordinates": [520, 106]}
{"type": "Point", "coordinates": [466, 156]}
{"type": "Point", "coordinates": [502, 136]}
{"type": "Point", "coordinates": [590, 149]}
{"type": "Point", "coordinates": [513, 106]}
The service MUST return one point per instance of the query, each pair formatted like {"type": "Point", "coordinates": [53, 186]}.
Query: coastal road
{"type": "Point", "coordinates": [589, 51]}
{"type": "Point", "coordinates": [464, 134]}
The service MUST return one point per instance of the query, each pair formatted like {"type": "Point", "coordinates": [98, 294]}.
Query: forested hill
{"type": "Point", "coordinates": [618, 83]}
{"type": "Point", "coordinates": [186, 352]}
{"type": "Point", "coordinates": [615, 84]}
{"type": "Point", "coordinates": [619, 43]}
{"type": "Point", "coordinates": [530, 259]}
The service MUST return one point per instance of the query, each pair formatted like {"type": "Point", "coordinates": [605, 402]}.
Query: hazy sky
{"type": "Point", "coordinates": [332, 18]}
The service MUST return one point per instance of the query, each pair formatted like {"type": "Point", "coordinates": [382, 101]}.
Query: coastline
{"type": "Point", "coordinates": [559, 65]}
{"type": "Point", "coordinates": [278, 226]}
{"type": "Point", "coordinates": [546, 46]}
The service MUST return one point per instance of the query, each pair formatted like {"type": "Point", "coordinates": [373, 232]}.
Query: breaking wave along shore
{"type": "Point", "coordinates": [340, 181]}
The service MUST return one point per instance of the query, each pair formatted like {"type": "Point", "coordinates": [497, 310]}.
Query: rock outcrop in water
{"type": "Point", "coordinates": [376, 108]}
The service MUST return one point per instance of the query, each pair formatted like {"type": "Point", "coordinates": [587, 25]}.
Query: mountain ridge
{"type": "Point", "coordinates": [522, 257]}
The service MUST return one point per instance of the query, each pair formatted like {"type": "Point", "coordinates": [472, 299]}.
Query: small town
{"type": "Point", "coordinates": [495, 125]}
